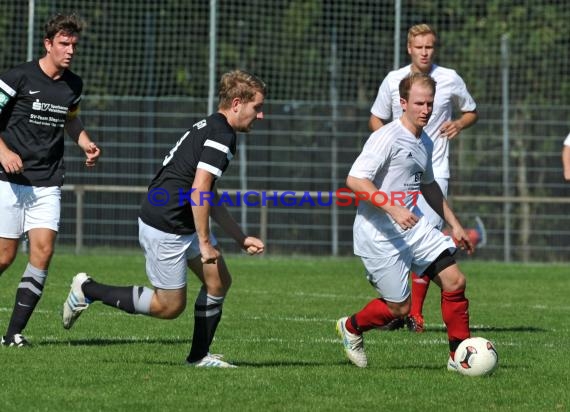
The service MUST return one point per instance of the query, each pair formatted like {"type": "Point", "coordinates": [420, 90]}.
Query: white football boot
{"type": "Point", "coordinates": [211, 361]}
{"type": "Point", "coordinates": [76, 302]}
{"type": "Point", "coordinates": [452, 365]}
{"type": "Point", "coordinates": [353, 344]}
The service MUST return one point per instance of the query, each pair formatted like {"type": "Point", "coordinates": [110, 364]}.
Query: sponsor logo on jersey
{"type": "Point", "coordinates": [418, 176]}
{"type": "Point", "coordinates": [48, 107]}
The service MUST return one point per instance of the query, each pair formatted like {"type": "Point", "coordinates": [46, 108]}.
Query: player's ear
{"type": "Point", "coordinates": [47, 44]}
{"type": "Point", "coordinates": [236, 102]}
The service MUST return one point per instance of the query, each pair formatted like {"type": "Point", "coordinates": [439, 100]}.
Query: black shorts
{"type": "Point", "coordinates": [444, 260]}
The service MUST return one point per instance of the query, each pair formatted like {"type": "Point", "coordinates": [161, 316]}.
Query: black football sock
{"type": "Point", "coordinates": [131, 299]}
{"type": "Point", "coordinates": [27, 297]}
{"type": "Point", "coordinates": [207, 316]}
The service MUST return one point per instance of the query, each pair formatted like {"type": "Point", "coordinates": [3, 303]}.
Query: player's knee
{"type": "Point", "coordinates": [401, 312]}
{"type": "Point", "coordinates": [461, 282]}
{"type": "Point", "coordinates": [455, 282]}
{"type": "Point", "coordinates": [220, 288]}
{"type": "Point", "coordinates": [41, 254]}
{"type": "Point", "coordinates": [173, 311]}
{"type": "Point", "coordinates": [5, 264]}
{"type": "Point", "coordinates": [168, 310]}
{"type": "Point", "coordinates": [400, 309]}
{"type": "Point", "coordinates": [7, 257]}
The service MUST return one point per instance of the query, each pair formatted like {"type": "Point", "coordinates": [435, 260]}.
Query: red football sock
{"type": "Point", "coordinates": [420, 286]}
{"type": "Point", "coordinates": [455, 313]}
{"type": "Point", "coordinates": [374, 315]}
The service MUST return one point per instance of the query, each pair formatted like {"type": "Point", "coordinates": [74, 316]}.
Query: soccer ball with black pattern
{"type": "Point", "coordinates": [476, 357]}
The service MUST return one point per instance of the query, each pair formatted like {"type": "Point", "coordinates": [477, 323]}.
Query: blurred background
{"type": "Point", "coordinates": [150, 71]}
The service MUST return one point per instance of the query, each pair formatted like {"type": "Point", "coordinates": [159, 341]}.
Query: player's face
{"type": "Point", "coordinates": [61, 49]}
{"type": "Point", "coordinates": [422, 50]}
{"type": "Point", "coordinates": [249, 112]}
{"type": "Point", "coordinates": [419, 106]}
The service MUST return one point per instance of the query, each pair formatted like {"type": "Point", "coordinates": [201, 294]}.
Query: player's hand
{"type": "Point", "coordinates": [462, 240]}
{"type": "Point", "coordinates": [403, 217]}
{"type": "Point", "coordinates": [209, 254]}
{"type": "Point", "coordinates": [253, 246]}
{"type": "Point", "coordinates": [11, 162]}
{"type": "Point", "coordinates": [92, 154]}
{"type": "Point", "coordinates": [449, 129]}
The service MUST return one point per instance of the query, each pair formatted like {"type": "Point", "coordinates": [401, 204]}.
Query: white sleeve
{"type": "Point", "coordinates": [567, 140]}
{"type": "Point", "coordinates": [374, 155]}
{"type": "Point", "coordinates": [463, 99]}
{"type": "Point", "coordinates": [382, 107]}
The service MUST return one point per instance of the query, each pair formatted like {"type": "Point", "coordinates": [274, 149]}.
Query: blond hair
{"type": "Point", "coordinates": [420, 30]}
{"type": "Point", "coordinates": [240, 84]}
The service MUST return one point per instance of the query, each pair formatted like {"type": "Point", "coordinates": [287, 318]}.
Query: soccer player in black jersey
{"type": "Point", "coordinates": [38, 101]}
{"type": "Point", "coordinates": [174, 228]}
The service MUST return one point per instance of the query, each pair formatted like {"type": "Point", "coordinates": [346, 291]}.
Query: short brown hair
{"type": "Point", "coordinates": [412, 78]}
{"type": "Point", "coordinates": [420, 30]}
{"type": "Point", "coordinates": [241, 84]}
{"type": "Point", "coordinates": [68, 24]}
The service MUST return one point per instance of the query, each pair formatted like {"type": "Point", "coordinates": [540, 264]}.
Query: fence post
{"type": "Point", "coordinates": [506, 149]}
{"type": "Point", "coordinates": [31, 35]}
{"type": "Point", "coordinates": [79, 191]}
{"type": "Point", "coordinates": [263, 223]}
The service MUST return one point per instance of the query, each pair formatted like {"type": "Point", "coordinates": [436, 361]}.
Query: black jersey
{"type": "Point", "coordinates": [210, 145]}
{"type": "Point", "coordinates": [33, 110]}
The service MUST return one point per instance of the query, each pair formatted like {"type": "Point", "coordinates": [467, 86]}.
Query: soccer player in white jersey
{"type": "Point", "coordinates": [174, 228]}
{"type": "Point", "coordinates": [566, 158]}
{"type": "Point", "coordinates": [452, 94]}
{"type": "Point", "coordinates": [393, 238]}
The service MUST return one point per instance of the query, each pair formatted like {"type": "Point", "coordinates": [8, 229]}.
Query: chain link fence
{"type": "Point", "coordinates": [149, 68]}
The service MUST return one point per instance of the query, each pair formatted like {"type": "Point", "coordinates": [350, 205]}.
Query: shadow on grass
{"type": "Point", "coordinates": [186, 340]}
{"type": "Point", "coordinates": [114, 341]}
{"type": "Point", "coordinates": [260, 364]}
{"type": "Point", "coordinates": [491, 329]}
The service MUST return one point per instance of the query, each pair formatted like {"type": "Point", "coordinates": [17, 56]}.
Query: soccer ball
{"type": "Point", "coordinates": [476, 357]}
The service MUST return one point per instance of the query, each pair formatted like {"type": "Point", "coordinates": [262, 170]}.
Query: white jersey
{"type": "Point", "coordinates": [396, 162]}
{"type": "Point", "coordinates": [567, 140]}
{"type": "Point", "coordinates": [451, 92]}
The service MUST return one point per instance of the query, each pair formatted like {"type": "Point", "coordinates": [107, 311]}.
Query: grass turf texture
{"type": "Point", "coordinates": [279, 328]}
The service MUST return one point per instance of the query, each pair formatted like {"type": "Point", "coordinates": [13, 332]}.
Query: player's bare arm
{"type": "Point", "coordinates": [566, 162]}
{"type": "Point", "coordinates": [452, 128]}
{"type": "Point", "coordinates": [11, 162]}
{"type": "Point", "coordinates": [375, 123]}
{"type": "Point", "coordinates": [74, 127]}
{"type": "Point", "coordinates": [91, 150]}
{"type": "Point", "coordinates": [434, 197]}
{"type": "Point", "coordinates": [403, 216]}
{"type": "Point", "coordinates": [201, 212]}
{"type": "Point", "coordinates": [222, 217]}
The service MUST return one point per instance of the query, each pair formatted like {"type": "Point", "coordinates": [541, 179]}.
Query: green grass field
{"type": "Point", "coordinates": [278, 327]}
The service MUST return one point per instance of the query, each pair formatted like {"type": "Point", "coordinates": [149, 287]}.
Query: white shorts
{"type": "Point", "coordinates": [167, 254]}
{"type": "Point", "coordinates": [388, 273]}
{"type": "Point", "coordinates": [28, 207]}
{"type": "Point", "coordinates": [426, 209]}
